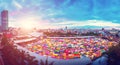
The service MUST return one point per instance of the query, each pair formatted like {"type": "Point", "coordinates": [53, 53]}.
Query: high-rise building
{"type": "Point", "coordinates": [4, 20]}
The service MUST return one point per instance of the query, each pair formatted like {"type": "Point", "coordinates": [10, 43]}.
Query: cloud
{"type": "Point", "coordinates": [102, 23]}
{"type": "Point", "coordinates": [99, 23]}
{"type": "Point", "coordinates": [39, 23]}
{"type": "Point", "coordinates": [15, 3]}
{"type": "Point", "coordinates": [23, 0]}
{"type": "Point", "coordinates": [76, 13]}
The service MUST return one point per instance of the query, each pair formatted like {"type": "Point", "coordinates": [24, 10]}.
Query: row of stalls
{"type": "Point", "coordinates": [27, 39]}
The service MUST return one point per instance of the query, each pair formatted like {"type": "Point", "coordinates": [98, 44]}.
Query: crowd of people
{"type": "Point", "coordinates": [68, 48]}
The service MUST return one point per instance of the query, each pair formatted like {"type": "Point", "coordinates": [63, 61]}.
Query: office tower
{"type": "Point", "coordinates": [4, 20]}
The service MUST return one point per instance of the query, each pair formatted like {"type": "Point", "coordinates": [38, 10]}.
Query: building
{"type": "Point", "coordinates": [114, 31]}
{"type": "Point", "coordinates": [118, 34]}
{"type": "Point", "coordinates": [4, 20]}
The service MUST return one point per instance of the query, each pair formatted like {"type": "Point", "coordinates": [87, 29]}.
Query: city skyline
{"type": "Point", "coordinates": [57, 14]}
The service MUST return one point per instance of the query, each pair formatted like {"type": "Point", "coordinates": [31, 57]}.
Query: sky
{"type": "Point", "coordinates": [62, 13]}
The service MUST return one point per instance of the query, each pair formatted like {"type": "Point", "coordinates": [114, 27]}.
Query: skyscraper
{"type": "Point", "coordinates": [4, 20]}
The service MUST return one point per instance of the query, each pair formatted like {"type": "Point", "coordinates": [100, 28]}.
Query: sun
{"type": "Point", "coordinates": [30, 22]}
{"type": "Point", "coordinates": [27, 23]}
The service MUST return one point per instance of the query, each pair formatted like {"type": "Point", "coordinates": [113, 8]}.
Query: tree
{"type": "Point", "coordinates": [4, 40]}
{"type": "Point", "coordinates": [114, 55]}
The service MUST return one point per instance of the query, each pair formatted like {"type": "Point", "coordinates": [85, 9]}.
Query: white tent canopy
{"type": "Point", "coordinates": [36, 34]}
